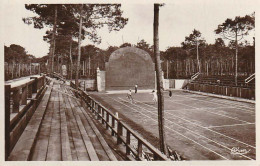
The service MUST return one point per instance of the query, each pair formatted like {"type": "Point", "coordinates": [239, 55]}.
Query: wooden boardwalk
{"type": "Point", "coordinates": [61, 130]}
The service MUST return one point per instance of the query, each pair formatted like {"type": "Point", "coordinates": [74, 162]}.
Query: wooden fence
{"type": "Point", "coordinates": [116, 126]}
{"type": "Point", "coordinates": [21, 102]}
{"type": "Point", "coordinates": [247, 93]}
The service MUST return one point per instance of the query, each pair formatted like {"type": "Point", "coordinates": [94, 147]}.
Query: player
{"type": "Point", "coordinates": [129, 96]}
{"type": "Point", "coordinates": [154, 96]}
{"type": "Point", "coordinates": [136, 86]}
{"type": "Point", "coordinates": [170, 93]}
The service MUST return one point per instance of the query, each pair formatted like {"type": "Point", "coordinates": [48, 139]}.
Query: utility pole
{"type": "Point", "coordinates": [162, 137]}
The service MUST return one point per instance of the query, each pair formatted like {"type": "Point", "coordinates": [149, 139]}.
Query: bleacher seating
{"type": "Point", "coordinates": [224, 80]}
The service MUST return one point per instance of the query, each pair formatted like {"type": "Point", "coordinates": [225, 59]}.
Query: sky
{"type": "Point", "coordinates": [177, 20]}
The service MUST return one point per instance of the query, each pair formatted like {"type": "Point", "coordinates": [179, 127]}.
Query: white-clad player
{"type": "Point", "coordinates": [154, 96]}
{"type": "Point", "coordinates": [129, 96]}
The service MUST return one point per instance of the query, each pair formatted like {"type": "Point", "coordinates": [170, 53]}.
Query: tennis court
{"type": "Point", "coordinates": [198, 127]}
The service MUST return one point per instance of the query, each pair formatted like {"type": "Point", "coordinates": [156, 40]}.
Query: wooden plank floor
{"type": "Point", "coordinates": [67, 133]}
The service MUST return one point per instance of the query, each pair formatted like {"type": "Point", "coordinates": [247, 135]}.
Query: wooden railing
{"type": "Point", "coordinates": [59, 76]}
{"type": "Point", "coordinates": [195, 76]}
{"type": "Point", "coordinates": [119, 129]}
{"type": "Point", "coordinates": [20, 103]}
{"type": "Point", "coordinates": [250, 78]}
{"type": "Point", "coordinates": [247, 93]}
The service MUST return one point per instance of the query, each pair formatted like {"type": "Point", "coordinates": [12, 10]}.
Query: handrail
{"type": "Point", "coordinates": [250, 78]}
{"type": "Point", "coordinates": [116, 126]}
{"type": "Point", "coordinates": [20, 102]}
{"type": "Point", "coordinates": [195, 76]}
{"type": "Point", "coordinates": [59, 76]}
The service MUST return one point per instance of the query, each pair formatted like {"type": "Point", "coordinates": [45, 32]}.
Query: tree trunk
{"type": "Point", "coordinates": [30, 67]}
{"type": "Point", "coordinates": [13, 70]}
{"type": "Point", "coordinates": [162, 137]}
{"type": "Point", "coordinates": [22, 69]}
{"type": "Point", "coordinates": [207, 68]}
{"type": "Point", "coordinates": [221, 67]}
{"type": "Point", "coordinates": [167, 69]}
{"type": "Point", "coordinates": [83, 68]}
{"type": "Point", "coordinates": [236, 60]}
{"type": "Point", "coordinates": [89, 65]}
{"type": "Point", "coordinates": [52, 49]}
{"type": "Point", "coordinates": [19, 70]}
{"type": "Point", "coordinates": [71, 62]}
{"type": "Point", "coordinates": [79, 49]}
{"type": "Point", "coordinates": [198, 61]}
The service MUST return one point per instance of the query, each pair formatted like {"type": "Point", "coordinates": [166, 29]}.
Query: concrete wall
{"type": "Point", "coordinates": [166, 84]}
{"type": "Point", "coordinates": [129, 66]}
{"type": "Point", "coordinates": [101, 80]}
{"type": "Point", "coordinates": [89, 84]}
{"type": "Point", "coordinates": [180, 83]}
{"type": "Point", "coordinates": [175, 83]}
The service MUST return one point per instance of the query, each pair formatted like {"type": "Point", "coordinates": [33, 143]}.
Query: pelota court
{"type": "Point", "coordinates": [198, 127]}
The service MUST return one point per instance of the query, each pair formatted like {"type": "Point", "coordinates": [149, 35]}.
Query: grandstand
{"type": "Point", "coordinates": [224, 85]}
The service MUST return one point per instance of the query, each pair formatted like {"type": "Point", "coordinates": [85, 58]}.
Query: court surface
{"type": "Point", "coordinates": [198, 127]}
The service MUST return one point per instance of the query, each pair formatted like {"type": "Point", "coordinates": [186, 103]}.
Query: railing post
{"type": "Point", "coordinates": [88, 102]}
{"type": "Point", "coordinates": [34, 84]}
{"type": "Point", "coordinates": [44, 79]}
{"type": "Point", "coordinates": [250, 94]}
{"type": "Point", "coordinates": [40, 84]}
{"type": "Point", "coordinates": [127, 142]}
{"type": "Point", "coordinates": [113, 126]}
{"type": "Point", "coordinates": [7, 120]}
{"type": "Point", "coordinates": [103, 115]}
{"type": "Point", "coordinates": [107, 119]}
{"type": "Point", "coordinates": [29, 91]}
{"type": "Point", "coordinates": [16, 101]}
{"type": "Point", "coordinates": [24, 95]}
{"type": "Point", "coordinates": [119, 132]}
{"type": "Point", "coordinates": [139, 149]}
{"type": "Point", "coordinates": [92, 106]}
{"type": "Point", "coordinates": [155, 157]}
{"type": "Point", "coordinates": [98, 111]}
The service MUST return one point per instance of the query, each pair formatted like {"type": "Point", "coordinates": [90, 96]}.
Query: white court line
{"type": "Point", "coordinates": [191, 131]}
{"type": "Point", "coordinates": [217, 99]}
{"type": "Point", "coordinates": [205, 127]}
{"type": "Point", "coordinates": [172, 129]}
{"type": "Point", "coordinates": [217, 102]}
{"type": "Point", "coordinates": [240, 124]}
{"type": "Point", "coordinates": [226, 101]}
{"type": "Point", "coordinates": [221, 103]}
{"type": "Point", "coordinates": [199, 109]}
